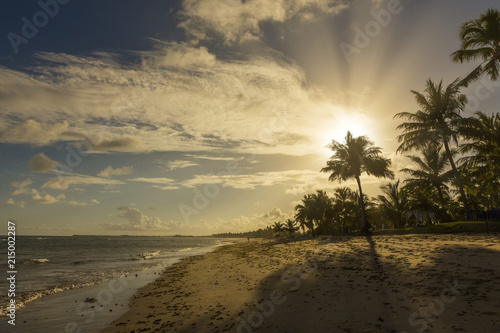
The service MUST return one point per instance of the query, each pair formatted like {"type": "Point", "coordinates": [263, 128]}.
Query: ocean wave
{"type": "Point", "coordinates": [35, 261]}
{"type": "Point", "coordinates": [185, 250]}
{"type": "Point", "coordinates": [149, 255]}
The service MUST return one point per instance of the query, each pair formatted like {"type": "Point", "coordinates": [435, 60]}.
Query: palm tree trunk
{"type": "Point", "coordinates": [441, 198]}
{"type": "Point", "coordinates": [457, 176]}
{"type": "Point", "coordinates": [366, 224]}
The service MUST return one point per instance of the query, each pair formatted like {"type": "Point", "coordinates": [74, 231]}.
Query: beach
{"type": "Point", "coordinates": [410, 283]}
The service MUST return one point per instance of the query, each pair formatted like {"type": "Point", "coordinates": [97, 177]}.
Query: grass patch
{"type": "Point", "coordinates": [445, 228]}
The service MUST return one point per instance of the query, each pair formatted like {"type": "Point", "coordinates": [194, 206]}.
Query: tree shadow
{"type": "Point", "coordinates": [382, 283]}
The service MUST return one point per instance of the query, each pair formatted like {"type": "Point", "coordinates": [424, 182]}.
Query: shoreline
{"type": "Point", "coordinates": [406, 283]}
{"type": "Point", "coordinates": [92, 307]}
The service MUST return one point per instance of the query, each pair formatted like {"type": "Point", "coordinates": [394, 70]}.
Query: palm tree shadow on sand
{"type": "Point", "coordinates": [380, 284]}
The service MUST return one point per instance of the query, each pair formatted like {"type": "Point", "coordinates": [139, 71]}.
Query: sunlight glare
{"type": "Point", "coordinates": [357, 122]}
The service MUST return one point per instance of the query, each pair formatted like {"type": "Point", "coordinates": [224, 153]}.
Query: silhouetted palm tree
{"type": "Point", "coordinates": [344, 206]}
{"type": "Point", "coordinates": [303, 215]}
{"type": "Point", "coordinates": [314, 211]}
{"type": "Point", "coordinates": [436, 122]}
{"type": "Point", "coordinates": [357, 155]}
{"type": "Point", "coordinates": [482, 136]}
{"type": "Point", "coordinates": [278, 228]}
{"type": "Point", "coordinates": [481, 40]}
{"type": "Point", "coordinates": [431, 172]}
{"type": "Point", "coordinates": [394, 203]}
{"type": "Point", "coordinates": [291, 226]}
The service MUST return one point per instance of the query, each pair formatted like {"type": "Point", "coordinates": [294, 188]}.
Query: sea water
{"type": "Point", "coordinates": [49, 265]}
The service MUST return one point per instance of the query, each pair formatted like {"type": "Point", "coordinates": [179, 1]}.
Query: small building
{"type": "Point", "coordinates": [420, 216]}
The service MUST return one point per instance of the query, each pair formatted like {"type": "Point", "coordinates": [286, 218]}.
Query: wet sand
{"type": "Point", "coordinates": [413, 283]}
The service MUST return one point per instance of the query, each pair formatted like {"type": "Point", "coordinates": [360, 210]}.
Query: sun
{"type": "Point", "coordinates": [358, 123]}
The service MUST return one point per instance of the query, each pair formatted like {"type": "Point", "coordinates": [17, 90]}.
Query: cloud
{"type": "Point", "coordinates": [19, 204]}
{"type": "Point", "coordinates": [152, 180]}
{"type": "Point", "coordinates": [241, 20]}
{"type": "Point", "coordinates": [33, 132]}
{"type": "Point", "coordinates": [46, 199]}
{"type": "Point", "coordinates": [109, 171]}
{"type": "Point", "coordinates": [252, 105]}
{"type": "Point", "coordinates": [180, 55]}
{"type": "Point", "coordinates": [252, 181]}
{"type": "Point", "coordinates": [179, 164]}
{"type": "Point", "coordinates": [76, 203]}
{"type": "Point", "coordinates": [63, 182]}
{"type": "Point", "coordinates": [95, 202]}
{"type": "Point", "coordinates": [212, 158]}
{"type": "Point", "coordinates": [121, 143]}
{"type": "Point", "coordinates": [21, 187]}
{"type": "Point", "coordinates": [135, 220]}
{"type": "Point", "coordinates": [41, 163]}
{"type": "Point", "coordinates": [275, 213]}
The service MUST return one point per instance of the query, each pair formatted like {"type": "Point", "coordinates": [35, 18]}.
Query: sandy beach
{"type": "Point", "coordinates": [413, 283]}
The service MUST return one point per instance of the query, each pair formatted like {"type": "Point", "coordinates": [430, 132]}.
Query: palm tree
{"type": "Point", "coordinates": [435, 123]}
{"type": "Point", "coordinates": [357, 155]}
{"type": "Point", "coordinates": [291, 226]}
{"type": "Point", "coordinates": [394, 203]}
{"type": "Point", "coordinates": [303, 215]}
{"type": "Point", "coordinates": [482, 134]}
{"type": "Point", "coordinates": [278, 228]}
{"type": "Point", "coordinates": [480, 40]}
{"type": "Point", "coordinates": [431, 172]}
{"type": "Point", "coordinates": [344, 207]}
{"type": "Point", "coordinates": [314, 211]}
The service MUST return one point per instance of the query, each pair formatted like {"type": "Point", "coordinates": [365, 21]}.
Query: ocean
{"type": "Point", "coordinates": [49, 265]}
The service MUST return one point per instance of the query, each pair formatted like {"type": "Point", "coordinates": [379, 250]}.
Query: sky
{"type": "Point", "coordinates": [197, 117]}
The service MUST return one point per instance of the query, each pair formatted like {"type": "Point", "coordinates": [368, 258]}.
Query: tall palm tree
{"type": "Point", "coordinates": [357, 155]}
{"type": "Point", "coordinates": [481, 40]}
{"type": "Point", "coordinates": [431, 172]}
{"type": "Point", "coordinates": [303, 215]}
{"type": "Point", "coordinates": [482, 136]}
{"type": "Point", "coordinates": [482, 141]}
{"type": "Point", "coordinates": [394, 203]}
{"type": "Point", "coordinates": [436, 122]}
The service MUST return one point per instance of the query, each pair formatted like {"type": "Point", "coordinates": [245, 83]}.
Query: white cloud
{"type": "Point", "coordinates": [95, 202]}
{"type": "Point", "coordinates": [178, 164]}
{"type": "Point", "coordinates": [41, 163]}
{"type": "Point", "coordinates": [76, 203]}
{"type": "Point", "coordinates": [63, 182]}
{"type": "Point", "coordinates": [21, 187]}
{"type": "Point", "coordinates": [251, 106]}
{"type": "Point", "coordinates": [32, 132]}
{"type": "Point", "coordinates": [252, 181]}
{"type": "Point", "coordinates": [46, 199]}
{"type": "Point", "coordinates": [212, 158]}
{"type": "Point", "coordinates": [109, 171]}
{"type": "Point", "coordinates": [241, 20]}
{"type": "Point", "coordinates": [180, 55]}
{"type": "Point", "coordinates": [135, 220]}
{"type": "Point", "coordinates": [152, 180]}
{"type": "Point", "coordinates": [19, 204]}
{"type": "Point", "coordinates": [166, 188]}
